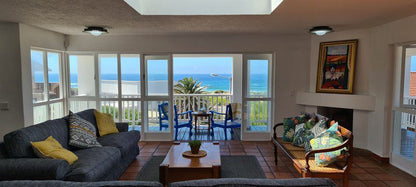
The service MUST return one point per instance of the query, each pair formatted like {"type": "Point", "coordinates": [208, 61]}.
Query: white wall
{"type": "Point", "coordinates": [34, 37]}
{"type": "Point", "coordinates": [10, 79]}
{"type": "Point", "coordinates": [292, 54]}
{"type": "Point", "coordinates": [373, 76]}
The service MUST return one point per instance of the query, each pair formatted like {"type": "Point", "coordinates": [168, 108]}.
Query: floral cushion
{"type": "Point", "coordinates": [318, 129]}
{"type": "Point", "coordinates": [289, 125]}
{"type": "Point", "coordinates": [330, 138]}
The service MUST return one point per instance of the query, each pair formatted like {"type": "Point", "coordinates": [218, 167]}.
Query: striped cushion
{"type": "Point", "coordinates": [82, 133]}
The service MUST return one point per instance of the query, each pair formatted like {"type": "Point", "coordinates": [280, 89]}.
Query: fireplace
{"type": "Point", "coordinates": [343, 116]}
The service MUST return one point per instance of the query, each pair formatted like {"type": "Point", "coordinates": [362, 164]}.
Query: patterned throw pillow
{"type": "Point", "coordinates": [319, 128]}
{"type": "Point", "coordinates": [82, 133]}
{"type": "Point", "coordinates": [302, 136]}
{"type": "Point", "coordinates": [289, 125]}
{"type": "Point", "coordinates": [330, 138]}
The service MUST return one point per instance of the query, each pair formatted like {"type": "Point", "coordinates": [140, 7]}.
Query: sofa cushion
{"type": "Point", "coordinates": [82, 133]}
{"type": "Point", "coordinates": [105, 123]}
{"type": "Point", "coordinates": [17, 143]}
{"type": "Point", "coordinates": [330, 138]}
{"type": "Point", "coordinates": [289, 125]}
{"type": "Point", "coordinates": [243, 182]}
{"type": "Point", "coordinates": [93, 163]}
{"type": "Point", "coordinates": [50, 148]}
{"type": "Point", "coordinates": [124, 141]}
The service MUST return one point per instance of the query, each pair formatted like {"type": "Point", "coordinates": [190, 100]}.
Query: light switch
{"type": "Point", "coordinates": [4, 106]}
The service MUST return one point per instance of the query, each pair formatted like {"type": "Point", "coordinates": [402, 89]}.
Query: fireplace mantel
{"type": "Point", "coordinates": [348, 101]}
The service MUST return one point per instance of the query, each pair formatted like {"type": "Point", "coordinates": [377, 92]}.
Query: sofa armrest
{"type": "Point", "coordinates": [32, 168]}
{"type": "Point", "coordinates": [122, 127]}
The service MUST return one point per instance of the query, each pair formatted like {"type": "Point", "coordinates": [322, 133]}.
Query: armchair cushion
{"type": "Point", "coordinates": [330, 138]}
{"type": "Point", "coordinates": [33, 168]}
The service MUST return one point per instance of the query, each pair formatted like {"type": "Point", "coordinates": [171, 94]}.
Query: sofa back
{"type": "Point", "coordinates": [17, 143]}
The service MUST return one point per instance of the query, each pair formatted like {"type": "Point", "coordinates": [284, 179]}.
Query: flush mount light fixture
{"type": "Point", "coordinates": [95, 31]}
{"type": "Point", "coordinates": [320, 30]}
{"type": "Point", "coordinates": [204, 7]}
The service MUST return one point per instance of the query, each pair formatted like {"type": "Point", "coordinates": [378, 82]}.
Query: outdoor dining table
{"type": "Point", "coordinates": [202, 115]}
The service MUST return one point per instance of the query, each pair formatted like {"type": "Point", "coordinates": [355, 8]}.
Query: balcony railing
{"type": "Point", "coordinates": [131, 108]}
{"type": "Point", "coordinates": [409, 119]}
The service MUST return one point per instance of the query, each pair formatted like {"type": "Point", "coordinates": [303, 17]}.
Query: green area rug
{"type": "Point", "coordinates": [231, 167]}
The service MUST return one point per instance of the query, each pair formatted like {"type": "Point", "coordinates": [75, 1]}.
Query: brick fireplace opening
{"type": "Point", "coordinates": [343, 116]}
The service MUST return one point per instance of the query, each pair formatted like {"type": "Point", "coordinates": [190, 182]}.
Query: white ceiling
{"type": "Point", "coordinates": [291, 17]}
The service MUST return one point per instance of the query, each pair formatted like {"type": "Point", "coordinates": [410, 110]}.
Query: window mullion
{"type": "Point", "coordinates": [120, 117]}
{"type": "Point", "coordinates": [46, 82]}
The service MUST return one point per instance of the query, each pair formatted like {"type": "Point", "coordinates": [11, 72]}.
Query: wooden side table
{"type": "Point", "coordinates": [176, 167]}
{"type": "Point", "coordinates": [201, 115]}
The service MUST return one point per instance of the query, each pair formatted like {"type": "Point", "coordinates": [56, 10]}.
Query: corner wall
{"type": "Point", "coordinates": [10, 79]}
{"type": "Point", "coordinates": [374, 73]}
{"type": "Point", "coordinates": [34, 37]}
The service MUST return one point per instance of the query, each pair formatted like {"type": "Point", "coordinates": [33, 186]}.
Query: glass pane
{"type": "Point", "coordinates": [110, 107]}
{"type": "Point", "coordinates": [54, 75]}
{"type": "Point", "coordinates": [213, 73]}
{"type": "Point", "coordinates": [56, 110]}
{"type": "Point", "coordinates": [258, 115]}
{"type": "Point", "coordinates": [153, 114]}
{"type": "Point", "coordinates": [258, 78]}
{"type": "Point", "coordinates": [131, 113]}
{"type": "Point", "coordinates": [409, 90]}
{"type": "Point", "coordinates": [40, 114]}
{"type": "Point", "coordinates": [38, 75]}
{"type": "Point", "coordinates": [108, 76]}
{"type": "Point", "coordinates": [407, 135]}
{"type": "Point", "coordinates": [157, 77]}
{"type": "Point", "coordinates": [81, 68]}
{"type": "Point", "coordinates": [130, 75]}
{"type": "Point", "coordinates": [78, 106]}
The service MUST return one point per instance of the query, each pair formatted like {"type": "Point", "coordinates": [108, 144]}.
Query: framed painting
{"type": "Point", "coordinates": [336, 66]}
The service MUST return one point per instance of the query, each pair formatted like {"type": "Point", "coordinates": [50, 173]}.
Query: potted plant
{"type": "Point", "coordinates": [195, 145]}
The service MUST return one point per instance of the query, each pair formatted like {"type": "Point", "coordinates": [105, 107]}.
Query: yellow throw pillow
{"type": "Point", "coordinates": [105, 123]}
{"type": "Point", "coordinates": [51, 148]}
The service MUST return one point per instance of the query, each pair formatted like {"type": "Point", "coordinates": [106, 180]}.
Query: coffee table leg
{"type": "Point", "coordinates": [216, 171]}
{"type": "Point", "coordinates": [163, 171]}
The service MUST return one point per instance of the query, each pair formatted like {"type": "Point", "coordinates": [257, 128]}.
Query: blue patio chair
{"type": "Point", "coordinates": [227, 123]}
{"type": "Point", "coordinates": [164, 119]}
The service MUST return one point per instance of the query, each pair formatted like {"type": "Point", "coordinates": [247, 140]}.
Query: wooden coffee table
{"type": "Point", "coordinates": [176, 167]}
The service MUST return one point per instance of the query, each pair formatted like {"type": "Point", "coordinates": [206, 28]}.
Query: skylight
{"type": "Point", "coordinates": [204, 7]}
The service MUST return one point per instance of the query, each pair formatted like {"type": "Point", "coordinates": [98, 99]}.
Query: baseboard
{"type": "Point", "coordinates": [380, 159]}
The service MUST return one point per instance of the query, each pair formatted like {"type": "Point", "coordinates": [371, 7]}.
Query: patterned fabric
{"type": "Point", "coordinates": [289, 125]}
{"type": "Point", "coordinates": [318, 129]}
{"type": "Point", "coordinates": [236, 109]}
{"type": "Point", "coordinates": [302, 136]}
{"type": "Point", "coordinates": [50, 148]}
{"type": "Point", "coordinates": [330, 138]}
{"type": "Point", "coordinates": [82, 133]}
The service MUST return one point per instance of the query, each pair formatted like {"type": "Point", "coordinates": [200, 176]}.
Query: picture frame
{"type": "Point", "coordinates": [336, 66]}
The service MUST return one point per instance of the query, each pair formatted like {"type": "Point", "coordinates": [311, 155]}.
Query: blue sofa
{"type": "Point", "coordinates": [18, 161]}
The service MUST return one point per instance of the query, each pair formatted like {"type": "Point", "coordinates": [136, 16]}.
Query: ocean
{"type": "Point", "coordinates": [258, 82]}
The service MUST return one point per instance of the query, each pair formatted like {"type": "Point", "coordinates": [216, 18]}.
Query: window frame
{"type": "Point", "coordinates": [402, 77]}
{"type": "Point", "coordinates": [62, 94]}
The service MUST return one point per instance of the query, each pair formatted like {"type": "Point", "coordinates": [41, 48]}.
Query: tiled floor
{"type": "Point", "coordinates": [365, 170]}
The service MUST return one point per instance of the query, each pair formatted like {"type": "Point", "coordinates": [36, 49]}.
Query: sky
{"type": "Point", "coordinates": [413, 63]}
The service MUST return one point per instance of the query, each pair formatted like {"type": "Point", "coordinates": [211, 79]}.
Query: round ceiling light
{"type": "Point", "coordinates": [320, 30]}
{"type": "Point", "coordinates": [96, 31]}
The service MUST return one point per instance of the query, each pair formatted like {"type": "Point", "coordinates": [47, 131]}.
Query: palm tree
{"type": "Point", "coordinates": [188, 86]}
